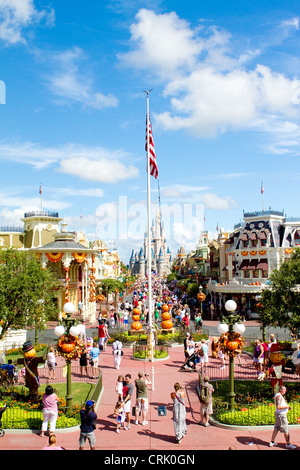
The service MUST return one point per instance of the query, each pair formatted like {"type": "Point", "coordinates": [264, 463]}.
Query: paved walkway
{"type": "Point", "coordinates": [158, 435]}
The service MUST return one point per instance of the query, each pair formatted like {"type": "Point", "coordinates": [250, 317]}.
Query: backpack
{"type": "Point", "coordinates": [204, 395]}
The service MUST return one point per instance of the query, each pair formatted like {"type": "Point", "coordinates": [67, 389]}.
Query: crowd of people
{"type": "Point", "coordinates": [185, 313]}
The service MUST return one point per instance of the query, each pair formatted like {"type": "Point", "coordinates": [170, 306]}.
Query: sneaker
{"type": "Point", "coordinates": [118, 430]}
{"type": "Point", "coordinates": [272, 444]}
{"type": "Point", "coordinates": [136, 422]}
{"type": "Point", "coordinates": [290, 446]}
{"type": "Point", "coordinates": [128, 426]}
{"type": "Point", "coordinates": [144, 423]}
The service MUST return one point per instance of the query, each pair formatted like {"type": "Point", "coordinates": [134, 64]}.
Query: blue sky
{"type": "Point", "coordinates": [225, 111]}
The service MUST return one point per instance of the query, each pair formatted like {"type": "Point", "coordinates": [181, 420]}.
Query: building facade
{"type": "Point", "coordinates": [76, 264]}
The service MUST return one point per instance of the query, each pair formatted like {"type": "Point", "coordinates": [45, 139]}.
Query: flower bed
{"type": "Point", "coordinates": [22, 413]}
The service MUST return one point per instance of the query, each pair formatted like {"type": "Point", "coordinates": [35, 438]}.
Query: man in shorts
{"type": "Point", "coordinates": [142, 397]}
{"type": "Point", "coordinates": [88, 418]}
{"type": "Point", "coordinates": [281, 421]}
{"type": "Point", "coordinates": [127, 394]}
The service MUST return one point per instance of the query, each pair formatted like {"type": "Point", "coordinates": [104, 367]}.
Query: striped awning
{"type": "Point", "coordinates": [262, 236]}
{"type": "Point", "coordinates": [244, 264]}
{"type": "Point", "coordinates": [263, 265]}
{"type": "Point", "coordinates": [253, 264]}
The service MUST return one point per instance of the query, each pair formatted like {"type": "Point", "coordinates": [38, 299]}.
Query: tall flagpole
{"type": "Point", "coordinates": [262, 196]}
{"type": "Point", "coordinates": [150, 338]}
{"type": "Point", "coordinates": [41, 194]}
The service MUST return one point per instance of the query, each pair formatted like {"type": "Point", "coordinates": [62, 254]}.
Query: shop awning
{"type": "Point", "coordinates": [253, 236]}
{"type": "Point", "coordinates": [262, 236]}
{"type": "Point", "coordinates": [244, 237]}
{"type": "Point", "coordinates": [244, 264]}
{"type": "Point", "coordinates": [253, 264]}
{"type": "Point", "coordinates": [263, 265]}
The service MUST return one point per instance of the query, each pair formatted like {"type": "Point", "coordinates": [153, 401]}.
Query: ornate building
{"type": "Point", "coordinates": [161, 258]}
{"type": "Point", "coordinates": [258, 245]}
{"type": "Point", "coordinates": [76, 264]}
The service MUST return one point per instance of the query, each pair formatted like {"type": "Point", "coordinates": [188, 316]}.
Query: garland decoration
{"type": "Point", "coordinates": [69, 346]}
{"type": "Point", "coordinates": [80, 257]}
{"type": "Point", "coordinates": [67, 297]}
{"type": "Point", "coordinates": [92, 285]}
{"type": "Point", "coordinates": [54, 257]}
{"type": "Point", "coordinates": [231, 343]}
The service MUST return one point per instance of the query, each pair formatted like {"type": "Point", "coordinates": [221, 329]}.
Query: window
{"type": "Point", "coordinates": [256, 273]}
{"type": "Point", "coordinates": [263, 242]}
{"type": "Point", "coordinates": [265, 273]}
{"type": "Point", "coordinates": [245, 243]}
{"type": "Point", "coordinates": [247, 273]}
{"type": "Point", "coordinates": [254, 243]}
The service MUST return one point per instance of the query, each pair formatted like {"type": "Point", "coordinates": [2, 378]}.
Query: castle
{"type": "Point", "coordinates": [161, 257]}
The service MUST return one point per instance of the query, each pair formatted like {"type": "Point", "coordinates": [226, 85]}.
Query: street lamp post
{"type": "Point", "coordinates": [68, 325]}
{"type": "Point", "coordinates": [232, 325]}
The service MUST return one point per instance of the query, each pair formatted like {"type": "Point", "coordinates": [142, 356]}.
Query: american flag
{"type": "Point", "coordinates": [152, 157]}
{"type": "Point", "coordinates": [40, 191]}
{"type": "Point", "coordinates": [262, 189]}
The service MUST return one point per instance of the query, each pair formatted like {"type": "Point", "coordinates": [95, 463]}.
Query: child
{"type": "Point", "coordinates": [119, 387]}
{"type": "Point", "coordinates": [119, 412]}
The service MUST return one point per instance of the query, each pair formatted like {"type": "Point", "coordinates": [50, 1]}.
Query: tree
{"type": "Point", "coordinates": [26, 291]}
{"type": "Point", "coordinates": [280, 303]}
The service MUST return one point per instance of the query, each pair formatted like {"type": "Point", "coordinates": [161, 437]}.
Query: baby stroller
{"type": "Point", "coordinates": [190, 363]}
{"type": "Point", "coordinates": [1, 413]}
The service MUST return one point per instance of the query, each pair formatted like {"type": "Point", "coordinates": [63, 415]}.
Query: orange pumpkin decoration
{"type": "Point", "coordinates": [167, 324]}
{"type": "Point", "coordinates": [232, 345]}
{"type": "Point", "coordinates": [244, 409]}
{"type": "Point", "coordinates": [165, 308]}
{"type": "Point", "coordinates": [29, 354]}
{"type": "Point", "coordinates": [165, 316]}
{"type": "Point", "coordinates": [136, 311]}
{"type": "Point", "coordinates": [135, 317]}
{"type": "Point", "coordinates": [201, 296]}
{"type": "Point", "coordinates": [136, 325]}
{"type": "Point", "coordinates": [67, 347]}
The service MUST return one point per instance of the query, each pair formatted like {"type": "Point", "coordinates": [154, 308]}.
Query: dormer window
{"type": "Point", "coordinates": [244, 240]}
{"type": "Point", "coordinates": [253, 238]}
{"type": "Point", "coordinates": [297, 238]}
{"type": "Point", "coordinates": [263, 238]}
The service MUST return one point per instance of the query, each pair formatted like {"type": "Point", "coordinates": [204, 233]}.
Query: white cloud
{"type": "Point", "coordinates": [214, 202]}
{"type": "Point", "coordinates": [210, 87]}
{"type": "Point", "coordinates": [88, 163]}
{"type": "Point", "coordinates": [70, 84]}
{"type": "Point", "coordinates": [163, 42]}
{"type": "Point", "coordinates": [16, 16]}
{"type": "Point", "coordinates": [103, 170]}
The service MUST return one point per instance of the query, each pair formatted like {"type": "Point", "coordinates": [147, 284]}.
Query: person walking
{"type": "Point", "coordinates": [87, 427]}
{"type": "Point", "coordinates": [50, 410]}
{"type": "Point", "coordinates": [281, 420]}
{"type": "Point", "coordinates": [206, 409]}
{"type": "Point", "coordinates": [179, 412]}
{"type": "Point", "coordinates": [117, 352]}
{"type": "Point", "coordinates": [203, 355]}
{"type": "Point", "coordinates": [51, 363]}
{"type": "Point", "coordinates": [142, 397]}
